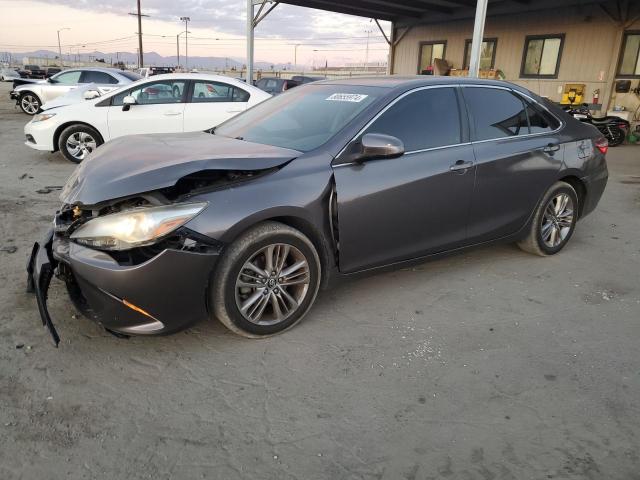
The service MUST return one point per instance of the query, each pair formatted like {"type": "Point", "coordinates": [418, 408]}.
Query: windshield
{"type": "Point", "coordinates": [303, 118]}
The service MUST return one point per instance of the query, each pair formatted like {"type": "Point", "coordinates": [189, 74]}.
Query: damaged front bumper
{"type": "Point", "coordinates": [39, 273]}
{"type": "Point", "coordinates": [164, 294]}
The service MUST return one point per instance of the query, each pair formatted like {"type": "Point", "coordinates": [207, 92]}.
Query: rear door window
{"type": "Point", "coordinates": [424, 119]}
{"type": "Point", "coordinates": [98, 77]}
{"type": "Point", "coordinates": [211, 92]}
{"type": "Point", "coordinates": [495, 113]}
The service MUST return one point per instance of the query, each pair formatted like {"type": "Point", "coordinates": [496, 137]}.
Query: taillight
{"type": "Point", "coordinates": [601, 144]}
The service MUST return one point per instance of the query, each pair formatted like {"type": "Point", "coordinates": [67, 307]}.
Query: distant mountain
{"type": "Point", "coordinates": [155, 59]}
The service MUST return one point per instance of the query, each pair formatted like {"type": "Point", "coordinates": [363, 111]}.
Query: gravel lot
{"type": "Point", "coordinates": [493, 364]}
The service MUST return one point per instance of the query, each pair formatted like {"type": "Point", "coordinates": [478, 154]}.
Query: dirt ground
{"type": "Point", "coordinates": [493, 364]}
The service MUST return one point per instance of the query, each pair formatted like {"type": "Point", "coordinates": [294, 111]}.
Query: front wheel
{"type": "Point", "coordinates": [29, 103]}
{"type": "Point", "coordinates": [76, 142]}
{"type": "Point", "coordinates": [553, 222]}
{"type": "Point", "coordinates": [266, 281]}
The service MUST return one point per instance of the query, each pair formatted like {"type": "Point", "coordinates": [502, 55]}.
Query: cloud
{"type": "Point", "coordinates": [229, 16]}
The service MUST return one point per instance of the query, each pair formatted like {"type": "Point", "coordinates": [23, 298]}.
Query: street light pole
{"type": "Point", "coordinates": [178, 44]}
{"type": "Point", "coordinates": [295, 55]}
{"type": "Point", "coordinates": [186, 21]}
{"type": "Point", "coordinates": [59, 47]}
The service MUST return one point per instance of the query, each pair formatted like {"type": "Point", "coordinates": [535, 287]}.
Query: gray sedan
{"type": "Point", "coordinates": [31, 94]}
{"type": "Point", "coordinates": [246, 222]}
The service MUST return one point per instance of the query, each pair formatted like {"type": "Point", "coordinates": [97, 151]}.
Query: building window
{"type": "Point", "coordinates": [541, 56]}
{"type": "Point", "coordinates": [629, 64]}
{"type": "Point", "coordinates": [487, 54]}
{"type": "Point", "coordinates": [429, 51]}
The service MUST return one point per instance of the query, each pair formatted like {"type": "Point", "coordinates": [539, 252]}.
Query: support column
{"type": "Point", "coordinates": [249, 42]}
{"type": "Point", "coordinates": [478, 35]}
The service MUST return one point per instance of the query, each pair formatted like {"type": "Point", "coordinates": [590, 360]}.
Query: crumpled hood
{"type": "Point", "coordinates": [19, 82]}
{"type": "Point", "coordinates": [142, 163]}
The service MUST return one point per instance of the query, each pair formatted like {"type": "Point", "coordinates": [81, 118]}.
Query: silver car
{"type": "Point", "coordinates": [31, 94]}
{"type": "Point", "coordinates": [8, 75]}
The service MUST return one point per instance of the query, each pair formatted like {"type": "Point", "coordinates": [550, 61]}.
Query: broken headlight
{"type": "Point", "coordinates": [135, 228]}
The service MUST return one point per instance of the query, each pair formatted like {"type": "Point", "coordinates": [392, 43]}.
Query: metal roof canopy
{"type": "Point", "coordinates": [404, 14]}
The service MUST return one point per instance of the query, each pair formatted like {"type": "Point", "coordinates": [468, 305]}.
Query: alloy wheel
{"type": "Point", "coordinates": [272, 284]}
{"type": "Point", "coordinates": [80, 144]}
{"type": "Point", "coordinates": [29, 104]}
{"type": "Point", "coordinates": [557, 220]}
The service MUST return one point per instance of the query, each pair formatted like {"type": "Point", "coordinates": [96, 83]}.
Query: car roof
{"type": "Point", "coordinates": [197, 76]}
{"type": "Point", "coordinates": [396, 81]}
{"type": "Point", "coordinates": [96, 69]}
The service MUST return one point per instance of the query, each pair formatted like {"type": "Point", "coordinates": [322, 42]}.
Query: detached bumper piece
{"type": "Point", "coordinates": [40, 270]}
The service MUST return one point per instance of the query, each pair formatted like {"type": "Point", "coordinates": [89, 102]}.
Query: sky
{"type": "Point", "coordinates": [217, 28]}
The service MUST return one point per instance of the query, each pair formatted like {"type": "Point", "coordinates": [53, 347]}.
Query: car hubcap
{"type": "Point", "coordinates": [557, 220]}
{"type": "Point", "coordinates": [81, 144]}
{"type": "Point", "coordinates": [29, 104]}
{"type": "Point", "coordinates": [272, 284]}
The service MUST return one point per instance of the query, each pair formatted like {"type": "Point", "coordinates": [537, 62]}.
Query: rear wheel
{"type": "Point", "coordinates": [76, 142]}
{"type": "Point", "coordinates": [553, 222]}
{"type": "Point", "coordinates": [267, 281]}
{"type": "Point", "coordinates": [615, 136]}
{"type": "Point", "coordinates": [29, 103]}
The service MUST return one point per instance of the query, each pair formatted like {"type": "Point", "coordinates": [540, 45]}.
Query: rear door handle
{"type": "Point", "coordinates": [234, 111]}
{"type": "Point", "coordinates": [461, 166]}
{"type": "Point", "coordinates": [172, 114]}
{"type": "Point", "coordinates": [551, 148]}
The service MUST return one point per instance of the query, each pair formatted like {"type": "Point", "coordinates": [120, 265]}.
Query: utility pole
{"type": "Point", "coordinates": [140, 54]}
{"type": "Point", "coordinates": [59, 47]}
{"type": "Point", "coordinates": [186, 21]}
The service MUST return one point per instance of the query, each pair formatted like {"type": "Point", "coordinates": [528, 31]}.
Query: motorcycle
{"type": "Point", "coordinates": [613, 128]}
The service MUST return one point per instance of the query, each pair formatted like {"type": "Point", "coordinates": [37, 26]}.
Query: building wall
{"type": "Point", "coordinates": [589, 56]}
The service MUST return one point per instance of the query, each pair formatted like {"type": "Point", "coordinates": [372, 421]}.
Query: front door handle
{"type": "Point", "coordinates": [172, 114]}
{"type": "Point", "coordinates": [551, 148]}
{"type": "Point", "coordinates": [234, 111]}
{"type": "Point", "coordinates": [461, 166]}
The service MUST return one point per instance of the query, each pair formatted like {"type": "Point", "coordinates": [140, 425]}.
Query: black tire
{"type": "Point", "coordinates": [616, 136]}
{"type": "Point", "coordinates": [82, 131]}
{"type": "Point", "coordinates": [537, 240]}
{"type": "Point", "coordinates": [29, 103]}
{"type": "Point", "coordinates": [224, 296]}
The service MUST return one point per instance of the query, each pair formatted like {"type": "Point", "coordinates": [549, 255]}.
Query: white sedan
{"type": "Point", "coordinates": [168, 103]}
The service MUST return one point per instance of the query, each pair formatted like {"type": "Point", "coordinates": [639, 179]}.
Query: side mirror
{"type": "Point", "coordinates": [91, 94]}
{"type": "Point", "coordinates": [373, 146]}
{"type": "Point", "coordinates": [127, 102]}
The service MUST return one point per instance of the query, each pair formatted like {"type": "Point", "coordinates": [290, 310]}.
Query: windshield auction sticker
{"type": "Point", "coordinates": [347, 97]}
